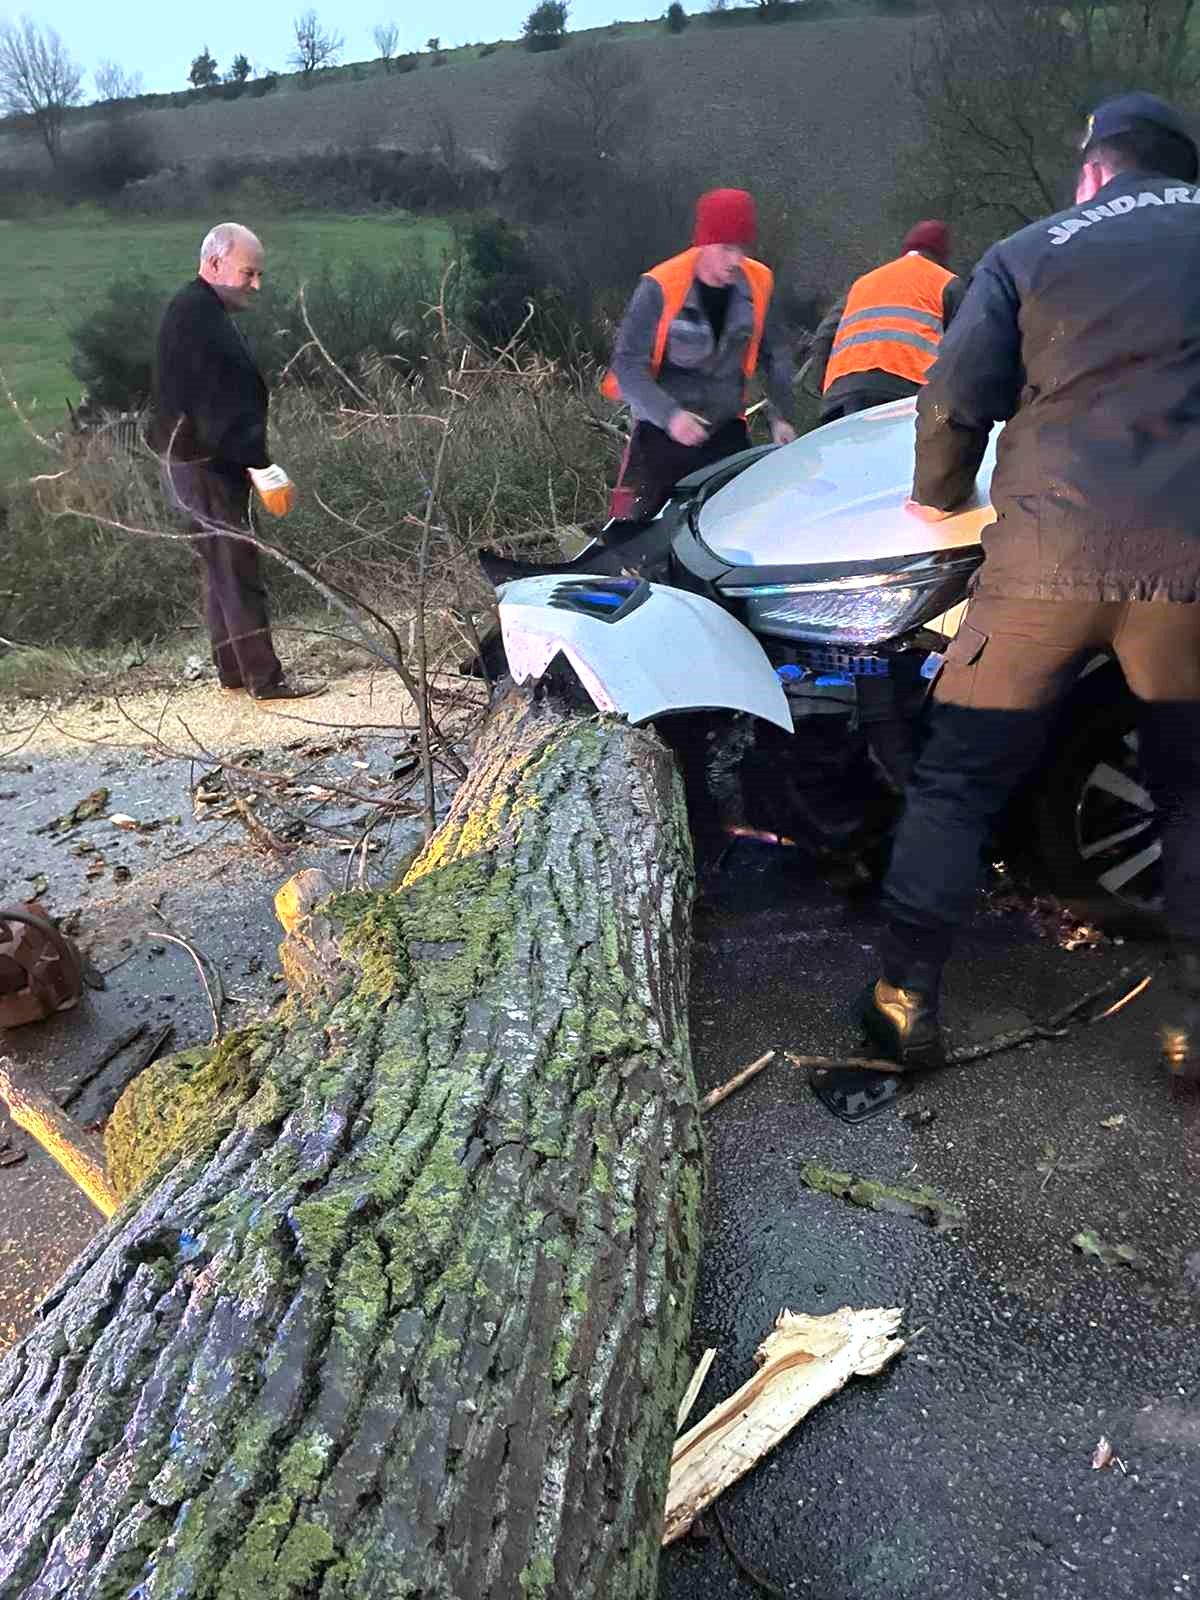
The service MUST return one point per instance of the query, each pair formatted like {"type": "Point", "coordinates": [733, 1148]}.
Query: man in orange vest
{"type": "Point", "coordinates": [879, 343]}
{"type": "Point", "coordinates": [696, 330]}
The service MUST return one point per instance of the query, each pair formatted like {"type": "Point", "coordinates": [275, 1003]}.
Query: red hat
{"type": "Point", "coordinates": [933, 237]}
{"type": "Point", "coordinates": [725, 216]}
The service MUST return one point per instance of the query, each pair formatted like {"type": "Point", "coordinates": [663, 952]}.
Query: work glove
{"type": "Point", "coordinates": [275, 489]}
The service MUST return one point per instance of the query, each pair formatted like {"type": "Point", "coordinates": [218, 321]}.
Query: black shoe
{"type": "Point", "coordinates": [903, 1025]}
{"type": "Point", "coordinates": [283, 690]}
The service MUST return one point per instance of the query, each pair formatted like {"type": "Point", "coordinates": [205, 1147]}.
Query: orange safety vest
{"type": "Point", "coordinates": [892, 321]}
{"type": "Point", "coordinates": [675, 277]}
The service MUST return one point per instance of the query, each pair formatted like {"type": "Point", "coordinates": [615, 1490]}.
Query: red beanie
{"type": "Point", "coordinates": [933, 237]}
{"type": "Point", "coordinates": [726, 216]}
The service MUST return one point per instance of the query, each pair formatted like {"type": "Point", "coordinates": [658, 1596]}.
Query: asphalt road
{"type": "Point", "coordinates": [195, 872]}
{"type": "Point", "coordinates": [965, 1468]}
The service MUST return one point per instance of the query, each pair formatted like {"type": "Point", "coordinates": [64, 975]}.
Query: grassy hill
{"type": "Point", "coordinates": [817, 116]}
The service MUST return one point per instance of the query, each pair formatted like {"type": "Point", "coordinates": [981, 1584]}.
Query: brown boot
{"type": "Point", "coordinates": [903, 1025]}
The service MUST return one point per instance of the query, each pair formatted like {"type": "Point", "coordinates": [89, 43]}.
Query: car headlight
{"type": "Point", "coordinates": [861, 611]}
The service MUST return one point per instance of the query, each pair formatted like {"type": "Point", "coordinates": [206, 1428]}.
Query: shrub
{"type": "Point", "coordinates": [113, 347]}
{"type": "Point", "coordinates": [406, 63]}
{"type": "Point", "coordinates": [262, 86]}
{"type": "Point", "coordinates": [439, 60]}
{"type": "Point", "coordinates": [503, 277]}
{"type": "Point", "coordinates": [488, 50]}
{"type": "Point", "coordinates": [112, 153]}
{"type": "Point", "coordinates": [522, 456]}
{"type": "Point", "coordinates": [676, 17]}
{"type": "Point", "coordinates": [370, 319]}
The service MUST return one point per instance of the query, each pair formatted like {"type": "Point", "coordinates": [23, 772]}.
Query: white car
{"type": "Point", "coordinates": [792, 586]}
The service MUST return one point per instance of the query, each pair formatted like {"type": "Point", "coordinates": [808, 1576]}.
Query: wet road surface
{"type": "Point", "coordinates": [965, 1468]}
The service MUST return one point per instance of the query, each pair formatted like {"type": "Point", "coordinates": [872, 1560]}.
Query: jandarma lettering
{"type": "Point", "coordinates": [1062, 231]}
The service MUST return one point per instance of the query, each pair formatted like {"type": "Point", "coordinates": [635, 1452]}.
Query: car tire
{"type": "Point", "coordinates": [1093, 822]}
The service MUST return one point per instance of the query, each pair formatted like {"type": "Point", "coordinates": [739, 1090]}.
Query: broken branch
{"type": "Point", "coordinates": [77, 1153]}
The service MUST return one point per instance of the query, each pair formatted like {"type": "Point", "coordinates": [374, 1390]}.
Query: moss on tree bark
{"type": "Point", "coordinates": [405, 1314]}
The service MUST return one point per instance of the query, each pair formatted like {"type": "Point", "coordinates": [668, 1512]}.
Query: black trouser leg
{"type": "Point", "coordinates": [1158, 645]}
{"type": "Point", "coordinates": [994, 703]}
{"type": "Point", "coordinates": [971, 764]}
{"type": "Point", "coordinates": [654, 464]}
{"type": "Point", "coordinates": [1170, 735]}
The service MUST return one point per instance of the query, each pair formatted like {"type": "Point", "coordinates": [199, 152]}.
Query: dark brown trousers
{"type": "Point", "coordinates": [235, 597]}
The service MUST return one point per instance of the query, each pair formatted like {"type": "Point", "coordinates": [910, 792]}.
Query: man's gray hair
{"type": "Point", "coordinates": [219, 241]}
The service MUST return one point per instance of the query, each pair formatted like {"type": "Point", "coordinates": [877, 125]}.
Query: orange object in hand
{"type": "Point", "coordinates": [275, 489]}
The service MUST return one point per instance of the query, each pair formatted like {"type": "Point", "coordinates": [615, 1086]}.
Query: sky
{"type": "Point", "coordinates": [160, 40]}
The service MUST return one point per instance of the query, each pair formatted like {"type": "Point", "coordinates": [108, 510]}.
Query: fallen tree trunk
{"type": "Point", "coordinates": [402, 1309]}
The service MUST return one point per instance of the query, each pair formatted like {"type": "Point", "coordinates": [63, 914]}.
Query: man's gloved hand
{"type": "Point", "coordinates": [275, 489]}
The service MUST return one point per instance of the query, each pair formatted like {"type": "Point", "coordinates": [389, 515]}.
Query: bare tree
{"type": "Point", "coordinates": [114, 83]}
{"type": "Point", "coordinates": [600, 89]}
{"type": "Point", "coordinates": [315, 47]}
{"type": "Point", "coordinates": [1006, 86]}
{"type": "Point", "coordinates": [38, 79]}
{"type": "Point", "coordinates": [387, 37]}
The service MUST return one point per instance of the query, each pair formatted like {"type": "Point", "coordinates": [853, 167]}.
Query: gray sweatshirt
{"type": "Point", "coordinates": [696, 374]}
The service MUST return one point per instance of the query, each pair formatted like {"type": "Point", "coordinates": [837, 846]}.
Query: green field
{"type": "Point", "coordinates": [57, 268]}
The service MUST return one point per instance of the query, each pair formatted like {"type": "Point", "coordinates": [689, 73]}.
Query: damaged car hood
{"type": "Point", "coordinates": [837, 494]}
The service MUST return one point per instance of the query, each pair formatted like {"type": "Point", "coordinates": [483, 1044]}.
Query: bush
{"type": "Point", "coordinates": [503, 277]}
{"type": "Point", "coordinates": [369, 318]}
{"type": "Point", "coordinates": [113, 347]}
{"type": "Point", "coordinates": [522, 457]}
{"type": "Point", "coordinates": [676, 17]}
{"type": "Point", "coordinates": [439, 60]}
{"type": "Point", "coordinates": [262, 86]}
{"type": "Point", "coordinates": [114, 152]}
{"type": "Point", "coordinates": [488, 50]}
{"type": "Point", "coordinates": [406, 63]}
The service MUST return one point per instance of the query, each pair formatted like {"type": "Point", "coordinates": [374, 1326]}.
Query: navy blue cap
{"type": "Point", "coordinates": [1125, 111]}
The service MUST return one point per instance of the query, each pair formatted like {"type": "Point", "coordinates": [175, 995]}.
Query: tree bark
{"type": "Point", "coordinates": [403, 1309]}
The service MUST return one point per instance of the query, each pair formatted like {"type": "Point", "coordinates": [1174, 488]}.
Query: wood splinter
{"type": "Point", "coordinates": [77, 1153]}
{"type": "Point", "coordinates": [802, 1361]}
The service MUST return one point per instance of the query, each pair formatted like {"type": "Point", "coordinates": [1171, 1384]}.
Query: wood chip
{"type": "Point", "coordinates": [802, 1362]}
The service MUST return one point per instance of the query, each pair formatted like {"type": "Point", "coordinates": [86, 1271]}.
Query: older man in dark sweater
{"type": "Point", "coordinates": [209, 429]}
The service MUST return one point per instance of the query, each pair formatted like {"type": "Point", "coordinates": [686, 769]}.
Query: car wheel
{"type": "Point", "coordinates": [1096, 825]}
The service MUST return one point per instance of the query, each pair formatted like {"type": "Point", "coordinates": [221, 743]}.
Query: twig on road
{"type": "Point", "coordinates": [724, 1090]}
